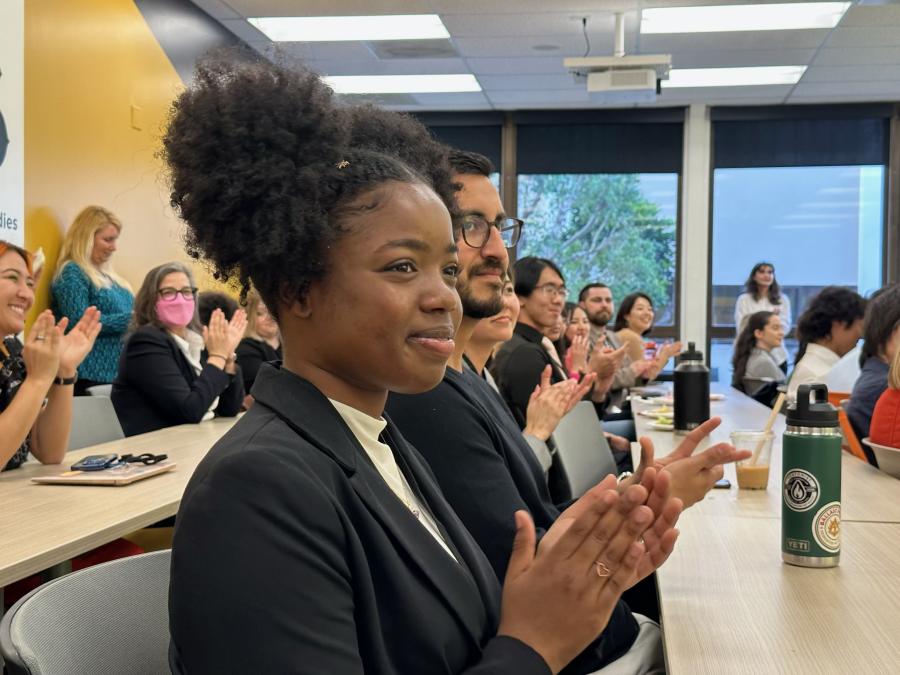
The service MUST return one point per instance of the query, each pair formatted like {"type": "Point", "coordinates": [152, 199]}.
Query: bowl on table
{"type": "Point", "coordinates": [888, 458]}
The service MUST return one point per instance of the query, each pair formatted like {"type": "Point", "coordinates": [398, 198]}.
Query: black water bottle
{"type": "Point", "coordinates": [691, 391]}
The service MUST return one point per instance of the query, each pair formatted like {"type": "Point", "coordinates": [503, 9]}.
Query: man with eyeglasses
{"type": "Point", "coordinates": [519, 363]}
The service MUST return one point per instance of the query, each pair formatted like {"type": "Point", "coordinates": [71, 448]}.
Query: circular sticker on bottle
{"type": "Point", "coordinates": [801, 490]}
{"type": "Point", "coordinates": [826, 527]}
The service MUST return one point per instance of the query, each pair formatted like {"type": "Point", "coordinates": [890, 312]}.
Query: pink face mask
{"type": "Point", "coordinates": [176, 312]}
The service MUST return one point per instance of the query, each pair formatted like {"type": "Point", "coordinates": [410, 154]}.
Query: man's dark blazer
{"type": "Point", "coordinates": [156, 387]}
{"type": "Point", "coordinates": [292, 555]}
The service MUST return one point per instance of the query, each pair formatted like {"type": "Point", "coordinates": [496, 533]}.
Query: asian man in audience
{"type": "Point", "coordinates": [756, 369]}
{"type": "Point", "coordinates": [885, 426]}
{"type": "Point", "coordinates": [85, 278]}
{"type": "Point", "coordinates": [476, 450]}
{"type": "Point", "coordinates": [881, 333]}
{"type": "Point", "coordinates": [549, 402]}
{"type": "Point", "coordinates": [174, 370]}
{"type": "Point", "coordinates": [312, 537]}
{"type": "Point", "coordinates": [828, 329]}
{"type": "Point", "coordinates": [37, 377]}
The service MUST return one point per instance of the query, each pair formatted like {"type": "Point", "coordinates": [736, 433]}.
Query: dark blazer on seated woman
{"type": "Point", "coordinates": [251, 354]}
{"type": "Point", "coordinates": [156, 386]}
{"type": "Point", "coordinates": [326, 570]}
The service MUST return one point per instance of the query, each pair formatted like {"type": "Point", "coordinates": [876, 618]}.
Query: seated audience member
{"type": "Point", "coordinates": [549, 402]}
{"type": "Point", "coordinates": [210, 301]}
{"type": "Point", "coordinates": [828, 329]}
{"type": "Point", "coordinates": [173, 370]}
{"type": "Point", "coordinates": [85, 278]}
{"type": "Point", "coordinates": [754, 365]}
{"type": "Point", "coordinates": [43, 369]}
{"type": "Point", "coordinates": [519, 363]}
{"type": "Point", "coordinates": [881, 335]}
{"type": "Point", "coordinates": [576, 341]}
{"type": "Point", "coordinates": [350, 558]}
{"type": "Point", "coordinates": [763, 294]}
{"type": "Point", "coordinates": [885, 426]}
{"type": "Point", "coordinates": [261, 342]}
{"type": "Point", "coordinates": [633, 322]}
{"type": "Point", "coordinates": [476, 451]}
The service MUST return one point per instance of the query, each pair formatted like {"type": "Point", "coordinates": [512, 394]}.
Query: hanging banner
{"type": "Point", "coordinates": [12, 121]}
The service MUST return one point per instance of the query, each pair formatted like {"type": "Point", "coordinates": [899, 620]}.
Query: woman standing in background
{"type": "Point", "coordinates": [85, 278]}
{"type": "Point", "coordinates": [763, 294]}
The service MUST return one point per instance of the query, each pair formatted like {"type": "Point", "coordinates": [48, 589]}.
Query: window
{"type": "Point", "coordinates": [618, 228]}
{"type": "Point", "coordinates": [805, 192]}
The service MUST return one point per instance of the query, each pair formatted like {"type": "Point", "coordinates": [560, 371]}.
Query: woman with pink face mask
{"type": "Point", "coordinates": [173, 370]}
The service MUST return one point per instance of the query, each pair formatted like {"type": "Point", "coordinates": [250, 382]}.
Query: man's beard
{"type": "Point", "coordinates": [600, 319]}
{"type": "Point", "coordinates": [479, 308]}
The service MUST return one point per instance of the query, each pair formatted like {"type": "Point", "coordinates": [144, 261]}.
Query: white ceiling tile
{"type": "Point", "coordinates": [529, 82]}
{"type": "Point", "coordinates": [860, 56]}
{"type": "Point", "coordinates": [243, 29]}
{"type": "Point", "coordinates": [872, 15]}
{"type": "Point", "coordinates": [523, 46]}
{"type": "Point", "coordinates": [329, 7]}
{"type": "Point", "coordinates": [520, 97]}
{"type": "Point", "coordinates": [887, 90]}
{"type": "Point", "coordinates": [398, 67]}
{"type": "Point", "coordinates": [760, 40]}
{"type": "Point", "coordinates": [340, 51]}
{"type": "Point", "coordinates": [543, 65]}
{"type": "Point", "coordinates": [847, 98]}
{"type": "Point", "coordinates": [544, 24]}
{"type": "Point", "coordinates": [452, 100]}
{"type": "Point", "coordinates": [851, 73]}
{"type": "Point", "coordinates": [870, 36]}
{"type": "Point", "coordinates": [216, 9]}
{"type": "Point", "coordinates": [726, 58]}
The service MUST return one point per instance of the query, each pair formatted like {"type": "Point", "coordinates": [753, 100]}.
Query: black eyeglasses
{"type": "Point", "coordinates": [168, 293]}
{"type": "Point", "coordinates": [144, 458]}
{"type": "Point", "coordinates": [476, 230]}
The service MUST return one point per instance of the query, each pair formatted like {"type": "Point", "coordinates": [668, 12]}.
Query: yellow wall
{"type": "Point", "coordinates": [86, 63]}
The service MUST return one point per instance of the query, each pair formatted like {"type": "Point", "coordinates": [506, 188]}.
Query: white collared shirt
{"type": "Point", "coordinates": [813, 368]}
{"type": "Point", "coordinates": [367, 430]}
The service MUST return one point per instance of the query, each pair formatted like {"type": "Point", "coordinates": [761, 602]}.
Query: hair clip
{"type": "Point", "coordinates": [343, 164]}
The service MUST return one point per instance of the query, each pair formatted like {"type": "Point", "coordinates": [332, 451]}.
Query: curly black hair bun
{"type": "Point", "coordinates": [261, 168]}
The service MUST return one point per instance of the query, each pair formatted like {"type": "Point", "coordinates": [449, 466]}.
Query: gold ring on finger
{"type": "Point", "coordinates": [39, 337]}
{"type": "Point", "coordinates": [602, 569]}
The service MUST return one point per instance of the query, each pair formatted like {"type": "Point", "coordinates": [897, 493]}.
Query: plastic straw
{"type": "Point", "coordinates": [768, 429]}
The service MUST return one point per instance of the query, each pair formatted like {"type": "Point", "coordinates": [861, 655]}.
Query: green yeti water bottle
{"type": "Point", "coordinates": [811, 481]}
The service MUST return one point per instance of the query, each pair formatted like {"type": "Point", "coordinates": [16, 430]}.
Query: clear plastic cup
{"type": "Point", "coordinates": [753, 475]}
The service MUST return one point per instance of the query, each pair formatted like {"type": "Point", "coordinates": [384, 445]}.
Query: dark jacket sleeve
{"type": "Point", "coordinates": [232, 398]}
{"type": "Point", "coordinates": [152, 369]}
{"type": "Point", "coordinates": [521, 373]}
{"type": "Point", "coordinates": [293, 609]}
{"type": "Point", "coordinates": [462, 453]}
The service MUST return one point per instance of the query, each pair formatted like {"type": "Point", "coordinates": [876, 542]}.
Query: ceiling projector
{"type": "Point", "coordinates": [621, 79]}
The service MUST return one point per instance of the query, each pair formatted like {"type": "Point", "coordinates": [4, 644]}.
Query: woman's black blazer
{"type": "Point", "coordinates": [156, 387]}
{"type": "Point", "coordinates": [292, 555]}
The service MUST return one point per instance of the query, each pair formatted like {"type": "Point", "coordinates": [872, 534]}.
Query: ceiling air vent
{"type": "Point", "coordinates": [413, 49]}
{"type": "Point", "coordinates": [379, 99]}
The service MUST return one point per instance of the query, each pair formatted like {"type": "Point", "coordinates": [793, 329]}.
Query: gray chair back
{"type": "Point", "coordinates": [93, 421]}
{"type": "Point", "coordinates": [110, 618]}
{"type": "Point", "coordinates": [100, 390]}
{"type": "Point", "coordinates": [582, 450]}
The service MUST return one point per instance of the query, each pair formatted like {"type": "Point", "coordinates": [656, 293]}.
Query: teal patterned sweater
{"type": "Point", "coordinates": [71, 294]}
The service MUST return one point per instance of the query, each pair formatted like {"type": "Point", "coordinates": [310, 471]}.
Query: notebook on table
{"type": "Point", "coordinates": [120, 475]}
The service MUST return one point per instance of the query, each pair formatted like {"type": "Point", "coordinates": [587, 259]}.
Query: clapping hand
{"type": "Point", "coordinates": [692, 476]}
{"type": "Point", "coordinates": [75, 345]}
{"type": "Point", "coordinates": [550, 402]}
{"type": "Point", "coordinates": [41, 349]}
{"type": "Point", "coordinates": [221, 336]}
{"type": "Point", "coordinates": [578, 351]}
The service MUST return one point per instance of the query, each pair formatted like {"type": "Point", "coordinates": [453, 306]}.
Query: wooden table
{"type": "Point", "coordinates": [43, 525]}
{"type": "Point", "coordinates": [730, 605]}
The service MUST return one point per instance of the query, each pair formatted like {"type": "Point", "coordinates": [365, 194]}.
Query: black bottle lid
{"type": "Point", "coordinates": [819, 413]}
{"type": "Point", "coordinates": [690, 354]}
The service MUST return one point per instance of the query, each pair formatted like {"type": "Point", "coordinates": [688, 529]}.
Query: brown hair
{"type": "Point", "coordinates": [145, 299]}
{"type": "Point", "coordinates": [26, 256]}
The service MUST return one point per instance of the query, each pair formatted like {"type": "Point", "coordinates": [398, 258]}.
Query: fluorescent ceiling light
{"type": "Point", "coordinates": [787, 16]}
{"type": "Point", "coordinates": [402, 84]}
{"type": "Point", "coordinates": [733, 77]}
{"type": "Point", "coordinates": [344, 28]}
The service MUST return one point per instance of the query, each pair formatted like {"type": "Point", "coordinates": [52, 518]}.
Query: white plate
{"type": "Point", "coordinates": [654, 413]}
{"type": "Point", "coordinates": [717, 397]}
{"type": "Point", "coordinates": [662, 427]}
